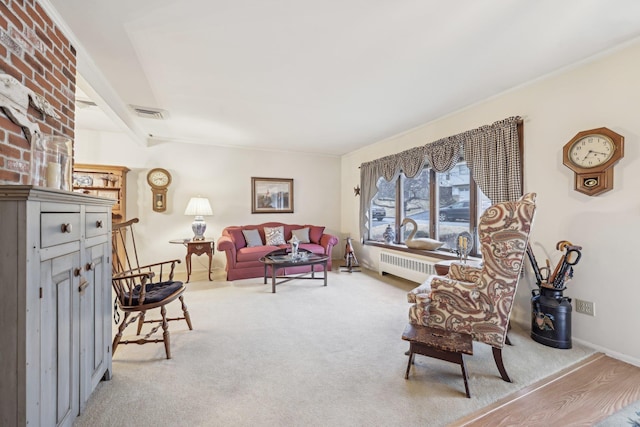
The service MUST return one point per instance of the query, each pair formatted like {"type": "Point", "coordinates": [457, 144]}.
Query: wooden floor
{"type": "Point", "coordinates": [581, 395]}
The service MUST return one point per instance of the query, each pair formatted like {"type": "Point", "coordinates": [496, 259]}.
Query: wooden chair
{"type": "Point", "coordinates": [140, 288]}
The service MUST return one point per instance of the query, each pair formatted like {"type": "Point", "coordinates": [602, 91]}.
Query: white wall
{"type": "Point", "coordinates": [221, 174]}
{"type": "Point", "coordinates": [602, 92]}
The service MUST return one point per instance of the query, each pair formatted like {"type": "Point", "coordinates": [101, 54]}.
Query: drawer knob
{"type": "Point", "coordinates": [76, 272]}
{"type": "Point", "coordinates": [66, 228]}
{"type": "Point", "coordinates": [90, 266]}
{"type": "Point", "coordinates": [99, 224]}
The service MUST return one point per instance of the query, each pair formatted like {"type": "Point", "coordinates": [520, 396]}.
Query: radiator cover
{"type": "Point", "coordinates": [408, 267]}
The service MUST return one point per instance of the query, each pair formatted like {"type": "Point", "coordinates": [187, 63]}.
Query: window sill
{"type": "Point", "coordinates": [402, 248]}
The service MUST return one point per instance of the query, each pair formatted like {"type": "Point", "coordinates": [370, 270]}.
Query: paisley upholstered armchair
{"type": "Point", "coordinates": [478, 301]}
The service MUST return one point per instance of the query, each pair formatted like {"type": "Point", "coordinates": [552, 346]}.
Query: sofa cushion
{"type": "Point", "coordinates": [301, 234]}
{"type": "Point", "coordinates": [238, 237]}
{"type": "Point", "coordinates": [274, 236]}
{"type": "Point", "coordinates": [253, 253]}
{"type": "Point", "coordinates": [315, 233]}
{"type": "Point", "coordinates": [252, 238]}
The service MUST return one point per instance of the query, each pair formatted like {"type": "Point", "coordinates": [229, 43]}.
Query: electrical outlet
{"type": "Point", "coordinates": [585, 307]}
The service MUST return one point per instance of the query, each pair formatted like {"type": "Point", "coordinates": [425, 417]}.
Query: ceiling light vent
{"type": "Point", "coordinates": [150, 113]}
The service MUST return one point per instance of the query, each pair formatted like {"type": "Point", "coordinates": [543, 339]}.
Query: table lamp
{"type": "Point", "coordinates": [198, 206]}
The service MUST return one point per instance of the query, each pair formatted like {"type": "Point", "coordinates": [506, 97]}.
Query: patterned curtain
{"type": "Point", "coordinates": [492, 152]}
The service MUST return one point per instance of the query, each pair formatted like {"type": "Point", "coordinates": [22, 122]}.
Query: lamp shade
{"type": "Point", "coordinates": [198, 206]}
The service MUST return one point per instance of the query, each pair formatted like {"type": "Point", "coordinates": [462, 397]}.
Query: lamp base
{"type": "Point", "coordinates": [199, 227]}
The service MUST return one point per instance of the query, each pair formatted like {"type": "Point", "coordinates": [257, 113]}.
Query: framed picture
{"type": "Point", "coordinates": [271, 195]}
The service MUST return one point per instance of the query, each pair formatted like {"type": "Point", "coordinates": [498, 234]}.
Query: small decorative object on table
{"type": "Point", "coordinates": [389, 235]}
{"type": "Point", "coordinates": [464, 245]}
{"type": "Point", "coordinates": [295, 244]}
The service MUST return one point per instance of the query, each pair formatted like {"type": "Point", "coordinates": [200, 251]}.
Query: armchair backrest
{"type": "Point", "coordinates": [503, 233]}
{"type": "Point", "coordinates": [482, 308]}
{"type": "Point", "coordinates": [127, 273]}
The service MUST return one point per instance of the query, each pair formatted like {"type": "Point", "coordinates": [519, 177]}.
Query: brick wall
{"type": "Point", "coordinates": [35, 52]}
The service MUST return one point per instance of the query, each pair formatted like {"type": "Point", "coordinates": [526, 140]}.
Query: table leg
{"type": "Point", "coordinates": [187, 260]}
{"type": "Point", "coordinates": [409, 363]}
{"type": "Point", "coordinates": [210, 259]}
{"type": "Point", "coordinates": [273, 279]}
{"type": "Point", "coordinates": [465, 376]}
{"type": "Point", "coordinates": [325, 272]}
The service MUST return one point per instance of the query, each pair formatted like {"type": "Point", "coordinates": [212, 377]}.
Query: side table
{"type": "Point", "coordinates": [197, 247]}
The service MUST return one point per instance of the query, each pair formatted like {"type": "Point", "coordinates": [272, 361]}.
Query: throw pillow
{"type": "Point", "coordinates": [252, 237]}
{"type": "Point", "coordinates": [315, 233]}
{"type": "Point", "coordinates": [274, 236]}
{"type": "Point", "coordinates": [302, 234]}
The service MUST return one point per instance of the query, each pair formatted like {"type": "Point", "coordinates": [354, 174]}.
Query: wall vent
{"type": "Point", "coordinates": [149, 113]}
{"type": "Point", "coordinates": [407, 267]}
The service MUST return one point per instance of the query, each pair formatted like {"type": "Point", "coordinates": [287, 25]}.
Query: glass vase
{"type": "Point", "coordinates": [52, 162]}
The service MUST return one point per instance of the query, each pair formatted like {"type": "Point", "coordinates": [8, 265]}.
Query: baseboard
{"type": "Point", "coordinates": [614, 354]}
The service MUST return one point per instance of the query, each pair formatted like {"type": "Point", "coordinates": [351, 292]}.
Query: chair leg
{"type": "Point", "coordinates": [507, 341]}
{"type": "Point", "coordinates": [118, 337]}
{"type": "Point", "coordinates": [165, 332]}
{"type": "Point", "coordinates": [186, 313]}
{"type": "Point", "coordinates": [497, 356]}
{"type": "Point", "coordinates": [141, 321]}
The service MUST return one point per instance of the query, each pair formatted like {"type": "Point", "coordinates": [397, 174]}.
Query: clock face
{"type": "Point", "coordinates": [591, 151]}
{"type": "Point", "coordinates": [159, 178]}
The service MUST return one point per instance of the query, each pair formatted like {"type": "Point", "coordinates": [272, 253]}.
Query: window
{"type": "Point", "coordinates": [453, 195]}
{"type": "Point", "coordinates": [446, 203]}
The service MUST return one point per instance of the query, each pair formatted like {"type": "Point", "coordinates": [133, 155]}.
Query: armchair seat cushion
{"type": "Point", "coordinates": [154, 292]}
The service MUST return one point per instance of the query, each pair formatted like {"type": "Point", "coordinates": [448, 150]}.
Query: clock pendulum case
{"type": "Point", "coordinates": [591, 155]}
{"type": "Point", "coordinates": [159, 180]}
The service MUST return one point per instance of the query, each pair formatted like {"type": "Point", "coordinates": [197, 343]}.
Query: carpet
{"type": "Point", "coordinates": [308, 355]}
{"type": "Point", "coordinates": [627, 416]}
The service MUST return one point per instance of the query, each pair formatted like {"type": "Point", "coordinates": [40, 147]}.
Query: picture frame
{"type": "Point", "coordinates": [271, 195]}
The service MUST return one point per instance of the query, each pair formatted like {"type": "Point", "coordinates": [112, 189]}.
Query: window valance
{"type": "Point", "coordinates": [492, 152]}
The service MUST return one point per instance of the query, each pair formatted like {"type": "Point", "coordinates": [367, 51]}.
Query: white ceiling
{"type": "Point", "coordinates": [321, 76]}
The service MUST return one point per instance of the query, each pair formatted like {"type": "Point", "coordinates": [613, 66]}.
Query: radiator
{"type": "Point", "coordinates": [405, 266]}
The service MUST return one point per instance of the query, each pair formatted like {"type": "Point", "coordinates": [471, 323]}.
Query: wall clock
{"type": "Point", "coordinates": [159, 180]}
{"type": "Point", "coordinates": [591, 155]}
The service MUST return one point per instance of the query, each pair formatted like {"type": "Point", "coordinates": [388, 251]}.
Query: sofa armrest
{"type": "Point", "coordinates": [226, 244]}
{"type": "Point", "coordinates": [328, 241]}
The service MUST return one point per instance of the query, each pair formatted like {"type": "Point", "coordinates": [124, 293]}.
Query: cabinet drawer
{"type": "Point", "coordinates": [96, 223]}
{"type": "Point", "coordinates": [58, 228]}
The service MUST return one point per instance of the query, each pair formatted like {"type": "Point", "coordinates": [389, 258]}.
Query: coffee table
{"type": "Point", "coordinates": [281, 259]}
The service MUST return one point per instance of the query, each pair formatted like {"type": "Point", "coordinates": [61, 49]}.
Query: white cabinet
{"type": "Point", "coordinates": [55, 303]}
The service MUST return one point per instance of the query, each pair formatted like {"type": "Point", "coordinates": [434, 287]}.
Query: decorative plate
{"type": "Point", "coordinates": [82, 181]}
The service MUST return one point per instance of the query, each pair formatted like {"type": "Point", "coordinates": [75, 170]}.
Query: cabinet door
{"type": "Point", "coordinates": [95, 320]}
{"type": "Point", "coordinates": [59, 341]}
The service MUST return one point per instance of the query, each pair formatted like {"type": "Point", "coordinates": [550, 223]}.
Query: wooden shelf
{"type": "Point", "coordinates": [85, 187]}
{"type": "Point", "coordinates": [94, 176]}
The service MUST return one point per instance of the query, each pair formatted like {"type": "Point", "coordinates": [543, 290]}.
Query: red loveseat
{"type": "Point", "coordinates": [243, 261]}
